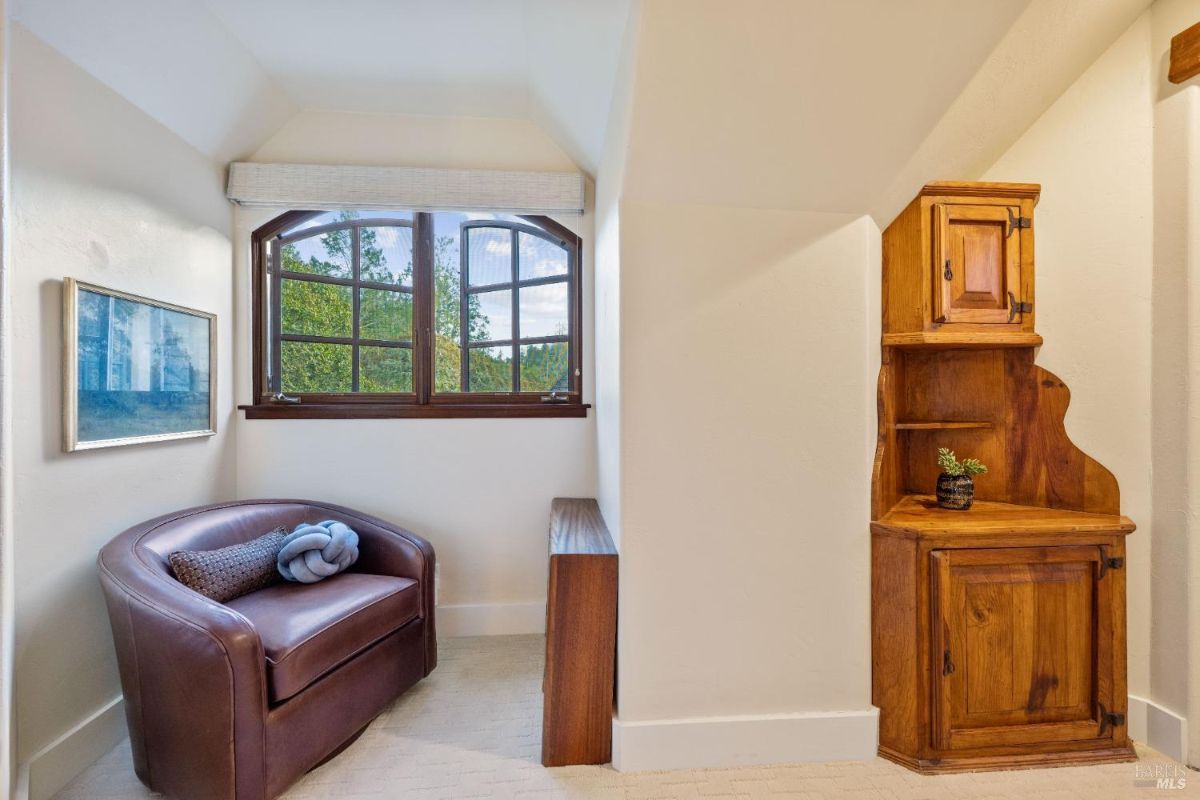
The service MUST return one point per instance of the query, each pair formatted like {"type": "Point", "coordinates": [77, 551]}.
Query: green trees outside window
{"type": "Point", "coordinates": [348, 289]}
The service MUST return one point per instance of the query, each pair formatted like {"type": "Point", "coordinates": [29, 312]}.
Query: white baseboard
{"type": "Point", "coordinates": [745, 741]}
{"type": "Point", "coordinates": [491, 619]}
{"type": "Point", "coordinates": [56, 764]}
{"type": "Point", "coordinates": [1159, 727]}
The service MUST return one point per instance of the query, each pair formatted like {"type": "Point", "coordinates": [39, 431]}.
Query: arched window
{"type": "Point", "coordinates": [398, 313]}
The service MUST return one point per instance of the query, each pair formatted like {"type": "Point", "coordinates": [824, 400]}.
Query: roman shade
{"type": "Point", "coordinates": [315, 186]}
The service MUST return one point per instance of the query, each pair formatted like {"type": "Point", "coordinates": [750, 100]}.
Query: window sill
{"type": "Point", "coordinates": [399, 411]}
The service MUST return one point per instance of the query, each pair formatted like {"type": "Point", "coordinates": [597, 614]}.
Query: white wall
{"type": "Point", "coordinates": [610, 182]}
{"type": "Point", "coordinates": [103, 193]}
{"type": "Point", "coordinates": [1175, 642]}
{"type": "Point", "coordinates": [8, 750]}
{"type": "Point", "coordinates": [745, 357]}
{"type": "Point", "coordinates": [490, 538]}
{"type": "Point", "coordinates": [746, 443]}
{"type": "Point", "coordinates": [1092, 152]}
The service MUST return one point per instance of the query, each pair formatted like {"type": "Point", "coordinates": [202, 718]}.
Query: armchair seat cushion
{"type": "Point", "coordinates": [309, 629]}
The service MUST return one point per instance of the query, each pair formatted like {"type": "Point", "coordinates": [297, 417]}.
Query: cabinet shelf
{"type": "Point", "coordinates": [941, 425]}
{"type": "Point", "coordinates": [958, 340]}
{"type": "Point", "coordinates": [919, 515]}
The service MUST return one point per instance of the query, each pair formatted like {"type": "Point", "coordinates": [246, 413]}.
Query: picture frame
{"type": "Point", "coordinates": [135, 369]}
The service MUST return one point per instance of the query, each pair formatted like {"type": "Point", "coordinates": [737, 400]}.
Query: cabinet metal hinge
{"type": "Point", "coordinates": [1016, 223]}
{"type": "Point", "coordinates": [1109, 719]}
{"type": "Point", "coordinates": [1016, 306]}
{"type": "Point", "coordinates": [947, 664]}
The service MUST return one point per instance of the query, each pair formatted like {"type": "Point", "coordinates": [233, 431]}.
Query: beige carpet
{"type": "Point", "coordinates": [472, 730]}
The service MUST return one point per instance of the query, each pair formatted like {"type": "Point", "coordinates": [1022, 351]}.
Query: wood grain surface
{"type": "Point", "coordinates": [581, 636]}
{"type": "Point", "coordinates": [998, 633]}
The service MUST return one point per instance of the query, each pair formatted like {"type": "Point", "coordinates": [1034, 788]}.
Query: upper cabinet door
{"type": "Point", "coordinates": [977, 263]}
{"type": "Point", "coordinates": [1024, 646]}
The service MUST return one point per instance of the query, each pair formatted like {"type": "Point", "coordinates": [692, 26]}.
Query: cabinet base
{"type": "Point", "coordinates": [1071, 758]}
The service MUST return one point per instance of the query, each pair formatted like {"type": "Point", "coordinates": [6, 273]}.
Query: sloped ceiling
{"type": "Point", "coordinates": [226, 74]}
{"type": "Point", "coordinates": [173, 60]}
{"type": "Point", "coordinates": [803, 104]}
{"type": "Point", "coordinates": [847, 106]}
{"type": "Point", "coordinates": [796, 104]}
{"type": "Point", "coordinates": [551, 61]}
{"type": "Point", "coordinates": [1050, 45]}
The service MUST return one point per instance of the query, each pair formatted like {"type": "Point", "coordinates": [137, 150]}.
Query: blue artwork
{"type": "Point", "coordinates": [141, 370]}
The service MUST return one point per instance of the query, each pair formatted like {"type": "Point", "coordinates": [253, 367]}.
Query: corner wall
{"type": "Point", "coordinates": [8, 750]}
{"type": "Point", "coordinates": [610, 182]}
{"type": "Point", "coordinates": [103, 193]}
{"type": "Point", "coordinates": [1092, 152]}
{"type": "Point", "coordinates": [747, 437]}
{"type": "Point", "coordinates": [1175, 643]}
{"type": "Point", "coordinates": [1118, 156]}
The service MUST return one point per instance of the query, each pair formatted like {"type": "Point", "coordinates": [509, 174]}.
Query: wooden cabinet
{"type": "Point", "coordinates": [958, 267]}
{"type": "Point", "coordinates": [581, 636]}
{"type": "Point", "coordinates": [998, 633]}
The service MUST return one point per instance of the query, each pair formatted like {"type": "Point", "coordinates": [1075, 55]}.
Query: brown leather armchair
{"type": "Point", "coordinates": [238, 700]}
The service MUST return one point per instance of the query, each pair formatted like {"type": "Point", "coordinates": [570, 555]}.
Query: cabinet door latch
{"type": "Point", "coordinates": [947, 664]}
{"type": "Point", "coordinates": [948, 273]}
{"type": "Point", "coordinates": [1016, 306]}
{"type": "Point", "coordinates": [1109, 719]}
{"type": "Point", "coordinates": [1016, 223]}
{"type": "Point", "coordinates": [1110, 562]}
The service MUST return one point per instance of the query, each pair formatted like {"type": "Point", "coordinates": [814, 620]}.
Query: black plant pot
{"type": "Point", "coordinates": [955, 492]}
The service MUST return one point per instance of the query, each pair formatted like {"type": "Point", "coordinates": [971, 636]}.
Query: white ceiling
{"type": "Point", "coordinates": [458, 57]}
{"type": "Point", "coordinates": [1026, 72]}
{"type": "Point", "coordinates": [845, 106]}
{"type": "Point", "coordinates": [797, 104]}
{"type": "Point", "coordinates": [807, 104]}
{"type": "Point", "coordinates": [170, 58]}
{"type": "Point", "coordinates": [225, 74]}
{"type": "Point", "coordinates": [499, 58]}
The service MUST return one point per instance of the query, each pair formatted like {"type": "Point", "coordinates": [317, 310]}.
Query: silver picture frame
{"type": "Point", "coordinates": [72, 440]}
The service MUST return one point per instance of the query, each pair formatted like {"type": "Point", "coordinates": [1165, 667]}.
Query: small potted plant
{"type": "Point", "coordinates": [956, 485]}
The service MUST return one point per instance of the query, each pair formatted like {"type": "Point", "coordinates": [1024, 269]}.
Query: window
{"type": "Point", "coordinates": [396, 313]}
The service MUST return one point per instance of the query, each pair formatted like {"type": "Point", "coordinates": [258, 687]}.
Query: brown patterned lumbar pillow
{"type": "Point", "coordinates": [230, 571]}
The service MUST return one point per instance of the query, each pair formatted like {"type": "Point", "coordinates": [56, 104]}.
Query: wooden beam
{"type": "Point", "coordinates": [1185, 55]}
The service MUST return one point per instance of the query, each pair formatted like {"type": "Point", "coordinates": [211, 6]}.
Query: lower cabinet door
{"type": "Point", "coordinates": [1022, 646]}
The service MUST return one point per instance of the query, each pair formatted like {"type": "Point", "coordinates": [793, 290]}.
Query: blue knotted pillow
{"type": "Point", "coordinates": [315, 551]}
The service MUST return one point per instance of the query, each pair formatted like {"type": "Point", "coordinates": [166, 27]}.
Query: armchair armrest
{"type": "Point", "coordinates": [192, 674]}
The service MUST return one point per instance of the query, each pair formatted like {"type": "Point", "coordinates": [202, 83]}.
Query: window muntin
{"type": "Point", "coordinates": [344, 293]}
{"type": "Point", "coordinates": [517, 307]}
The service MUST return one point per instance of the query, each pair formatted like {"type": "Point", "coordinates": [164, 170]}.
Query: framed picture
{"type": "Point", "coordinates": [134, 369]}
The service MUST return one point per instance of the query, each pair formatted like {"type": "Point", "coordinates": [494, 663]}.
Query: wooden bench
{"type": "Point", "coordinates": [581, 636]}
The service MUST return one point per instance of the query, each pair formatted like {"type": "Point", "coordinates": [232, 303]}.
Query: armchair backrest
{"type": "Point", "coordinates": [210, 528]}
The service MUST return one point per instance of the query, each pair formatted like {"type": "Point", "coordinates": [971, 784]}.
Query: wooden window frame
{"type": "Point", "coordinates": [422, 401]}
